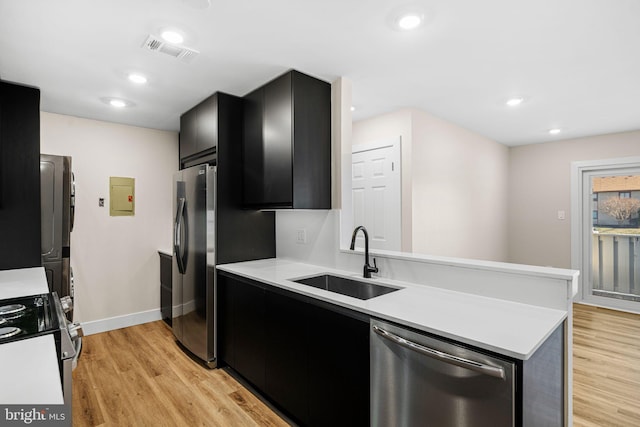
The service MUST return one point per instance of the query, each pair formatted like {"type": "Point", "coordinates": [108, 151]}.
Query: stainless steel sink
{"type": "Point", "coordinates": [345, 286]}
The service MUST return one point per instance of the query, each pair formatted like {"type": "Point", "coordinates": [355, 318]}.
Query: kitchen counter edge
{"type": "Point", "coordinates": [509, 328]}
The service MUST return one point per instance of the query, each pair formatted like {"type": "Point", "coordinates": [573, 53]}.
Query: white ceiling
{"type": "Point", "coordinates": [577, 62]}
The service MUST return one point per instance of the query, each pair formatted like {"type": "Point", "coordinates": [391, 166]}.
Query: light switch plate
{"type": "Point", "coordinates": [301, 236]}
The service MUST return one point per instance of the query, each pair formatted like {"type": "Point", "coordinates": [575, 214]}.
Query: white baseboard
{"type": "Point", "coordinates": [111, 323]}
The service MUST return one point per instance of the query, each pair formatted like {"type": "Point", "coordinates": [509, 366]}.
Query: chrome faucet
{"type": "Point", "coordinates": [367, 268]}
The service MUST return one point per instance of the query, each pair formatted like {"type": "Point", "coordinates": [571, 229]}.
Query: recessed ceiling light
{"type": "Point", "coordinates": [353, 108]}
{"type": "Point", "coordinates": [409, 21]}
{"type": "Point", "coordinates": [118, 103]}
{"type": "Point", "coordinates": [554, 131]}
{"type": "Point", "coordinates": [137, 78]}
{"type": "Point", "coordinates": [408, 17]}
{"type": "Point", "coordinates": [172, 36]}
{"type": "Point", "coordinates": [514, 102]}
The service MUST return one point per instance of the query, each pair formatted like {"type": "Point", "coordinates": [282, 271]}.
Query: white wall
{"type": "Point", "coordinates": [460, 182]}
{"type": "Point", "coordinates": [115, 259]}
{"type": "Point", "coordinates": [540, 186]}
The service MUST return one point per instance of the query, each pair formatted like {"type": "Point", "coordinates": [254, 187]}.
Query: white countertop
{"type": "Point", "coordinates": [165, 251]}
{"type": "Point", "coordinates": [23, 282]}
{"type": "Point", "coordinates": [505, 327]}
{"type": "Point", "coordinates": [29, 366]}
{"type": "Point", "coordinates": [29, 369]}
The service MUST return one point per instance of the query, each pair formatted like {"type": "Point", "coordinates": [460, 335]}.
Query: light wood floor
{"type": "Point", "coordinates": [138, 376]}
{"type": "Point", "coordinates": [606, 367]}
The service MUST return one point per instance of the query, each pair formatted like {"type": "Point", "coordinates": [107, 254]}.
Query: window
{"type": "Point", "coordinates": [624, 195]}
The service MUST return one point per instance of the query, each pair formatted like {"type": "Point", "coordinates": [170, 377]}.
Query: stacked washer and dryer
{"type": "Point", "coordinates": [57, 191]}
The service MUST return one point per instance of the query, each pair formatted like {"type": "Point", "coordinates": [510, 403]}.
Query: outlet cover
{"type": "Point", "coordinates": [301, 236]}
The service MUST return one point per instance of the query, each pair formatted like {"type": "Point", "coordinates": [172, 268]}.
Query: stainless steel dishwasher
{"type": "Point", "coordinates": [418, 380]}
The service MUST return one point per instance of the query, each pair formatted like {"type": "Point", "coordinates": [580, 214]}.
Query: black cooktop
{"type": "Point", "coordinates": [27, 317]}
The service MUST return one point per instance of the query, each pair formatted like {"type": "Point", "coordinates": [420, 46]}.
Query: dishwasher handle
{"type": "Point", "coordinates": [482, 368]}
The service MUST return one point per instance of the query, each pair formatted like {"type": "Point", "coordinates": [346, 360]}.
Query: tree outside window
{"type": "Point", "coordinates": [621, 208]}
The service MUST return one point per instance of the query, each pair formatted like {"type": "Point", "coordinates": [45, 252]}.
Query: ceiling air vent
{"type": "Point", "coordinates": [156, 44]}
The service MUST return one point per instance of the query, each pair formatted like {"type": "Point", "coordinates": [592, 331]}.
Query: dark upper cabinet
{"type": "Point", "coordinates": [253, 169]}
{"type": "Point", "coordinates": [287, 144]}
{"type": "Point", "coordinates": [20, 221]}
{"type": "Point", "coordinates": [207, 123]}
{"type": "Point", "coordinates": [188, 133]}
{"type": "Point", "coordinates": [211, 132]}
{"type": "Point", "coordinates": [199, 128]}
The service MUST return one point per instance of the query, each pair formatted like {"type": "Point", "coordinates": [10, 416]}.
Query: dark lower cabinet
{"type": "Point", "coordinates": [338, 369]}
{"type": "Point", "coordinates": [165, 286]}
{"type": "Point", "coordinates": [241, 327]}
{"type": "Point", "coordinates": [287, 355]}
{"type": "Point", "coordinates": [310, 359]}
{"type": "Point", "coordinates": [224, 309]}
{"type": "Point", "coordinates": [249, 332]}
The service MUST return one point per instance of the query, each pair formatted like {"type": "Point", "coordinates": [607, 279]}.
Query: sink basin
{"type": "Point", "coordinates": [348, 287]}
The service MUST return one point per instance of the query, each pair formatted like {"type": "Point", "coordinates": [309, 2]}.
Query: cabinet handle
{"type": "Point", "coordinates": [482, 368]}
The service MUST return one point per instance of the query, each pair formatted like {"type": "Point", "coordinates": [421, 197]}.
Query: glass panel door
{"type": "Point", "coordinates": [611, 199]}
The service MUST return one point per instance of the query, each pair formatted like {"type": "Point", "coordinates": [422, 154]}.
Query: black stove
{"type": "Point", "coordinates": [27, 317]}
{"type": "Point", "coordinates": [32, 316]}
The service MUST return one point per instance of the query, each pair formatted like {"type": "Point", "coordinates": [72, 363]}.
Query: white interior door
{"type": "Point", "coordinates": [376, 189]}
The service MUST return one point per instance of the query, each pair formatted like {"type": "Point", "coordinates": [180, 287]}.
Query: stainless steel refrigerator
{"type": "Point", "coordinates": [193, 281]}
{"type": "Point", "coordinates": [57, 195]}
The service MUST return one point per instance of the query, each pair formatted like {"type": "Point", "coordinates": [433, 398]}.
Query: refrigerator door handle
{"type": "Point", "coordinates": [177, 235]}
{"type": "Point", "coordinates": [72, 218]}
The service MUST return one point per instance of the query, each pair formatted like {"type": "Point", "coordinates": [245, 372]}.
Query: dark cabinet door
{"type": "Point", "coordinates": [20, 221]}
{"type": "Point", "coordinates": [308, 359]}
{"type": "Point", "coordinates": [338, 369]}
{"type": "Point", "coordinates": [224, 295]}
{"type": "Point", "coordinates": [312, 143]}
{"type": "Point", "coordinates": [249, 331]}
{"type": "Point", "coordinates": [166, 264]}
{"type": "Point", "coordinates": [287, 355]}
{"type": "Point", "coordinates": [277, 145]}
{"type": "Point", "coordinates": [287, 144]}
{"type": "Point", "coordinates": [188, 133]}
{"type": "Point", "coordinates": [253, 183]}
{"type": "Point", "coordinates": [207, 124]}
